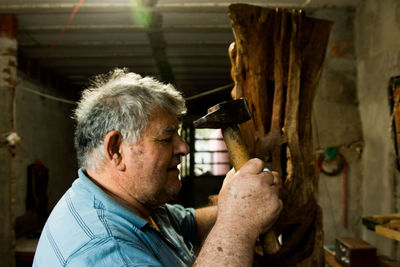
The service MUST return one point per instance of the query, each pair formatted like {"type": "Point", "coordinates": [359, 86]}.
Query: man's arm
{"type": "Point", "coordinates": [248, 205]}
{"type": "Point", "coordinates": [205, 220]}
{"type": "Point", "coordinates": [227, 245]}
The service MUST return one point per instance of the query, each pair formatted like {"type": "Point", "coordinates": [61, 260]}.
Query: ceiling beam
{"type": "Point", "coordinates": [180, 71]}
{"type": "Point", "coordinates": [73, 54]}
{"type": "Point", "coordinates": [158, 43]}
{"type": "Point", "coordinates": [74, 70]}
{"type": "Point", "coordinates": [125, 28]}
{"type": "Point", "coordinates": [112, 43]}
{"type": "Point", "coordinates": [110, 7]}
{"type": "Point", "coordinates": [100, 61]}
{"type": "Point", "coordinates": [181, 55]}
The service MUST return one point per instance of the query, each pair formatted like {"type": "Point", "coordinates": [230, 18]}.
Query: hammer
{"type": "Point", "coordinates": [227, 115]}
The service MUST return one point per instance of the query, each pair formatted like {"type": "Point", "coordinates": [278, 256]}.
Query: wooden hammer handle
{"type": "Point", "coordinates": [236, 147]}
{"type": "Point", "coordinates": [269, 243]}
{"type": "Point", "coordinates": [239, 156]}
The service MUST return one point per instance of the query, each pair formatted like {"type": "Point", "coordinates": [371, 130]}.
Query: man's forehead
{"type": "Point", "coordinates": [170, 128]}
{"type": "Point", "coordinates": [164, 123]}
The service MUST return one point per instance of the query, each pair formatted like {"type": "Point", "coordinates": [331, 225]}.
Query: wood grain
{"type": "Point", "coordinates": [277, 59]}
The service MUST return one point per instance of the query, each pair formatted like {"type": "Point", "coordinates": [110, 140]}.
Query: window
{"type": "Point", "coordinates": [208, 156]}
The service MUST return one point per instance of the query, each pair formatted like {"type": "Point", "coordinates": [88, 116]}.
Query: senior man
{"type": "Point", "coordinates": [115, 213]}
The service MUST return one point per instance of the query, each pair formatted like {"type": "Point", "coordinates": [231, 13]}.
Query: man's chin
{"type": "Point", "coordinates": [173, 191]}
{"type": "Point", "coordinates": [174, 199]}
{"type": "Point", "coordinates": [176, 189]}
{"type": "Point", "coordinates": [174, 179]}
{"type": "Point", "coordinates": [173, 172]}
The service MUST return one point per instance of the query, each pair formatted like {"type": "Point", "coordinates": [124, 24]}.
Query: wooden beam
{"type": "Point", "coordinates": [50, 29]}
{"type": "Point", "coordinates": [110, 7]}
{"type": "Point", "coordinates": [112, 44]}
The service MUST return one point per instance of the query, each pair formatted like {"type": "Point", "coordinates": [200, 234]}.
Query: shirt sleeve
{"type": "Point", "coordinates": [183, 220]}
{"type": "Point", "coordinates": [113, 252]}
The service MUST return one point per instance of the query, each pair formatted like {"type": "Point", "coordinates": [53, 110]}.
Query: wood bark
{"type": "Point", "coordinates": [277, 59]}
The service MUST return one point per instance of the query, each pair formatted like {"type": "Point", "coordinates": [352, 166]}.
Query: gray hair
{"type": "Point", "coordinates": [121, 101]}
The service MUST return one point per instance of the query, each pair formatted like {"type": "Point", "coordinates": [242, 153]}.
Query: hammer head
{"type": "Point", "coordinates": [225, 114]}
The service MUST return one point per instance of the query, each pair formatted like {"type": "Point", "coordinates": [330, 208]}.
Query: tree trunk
{"type": "Point", "coordinates": [276, 61]}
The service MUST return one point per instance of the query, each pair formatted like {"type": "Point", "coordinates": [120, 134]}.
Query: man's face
{"type": "Point", "coordinates": [152, 176]}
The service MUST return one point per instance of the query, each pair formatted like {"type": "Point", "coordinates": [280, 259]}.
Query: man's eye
{"type": "Point", "coordinates": [166, 140]}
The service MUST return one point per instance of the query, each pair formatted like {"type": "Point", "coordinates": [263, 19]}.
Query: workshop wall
{"type": "Point", "coordinates": [8, 79]}
{"type": "Point", "coordinates": [378, 52]}
{"type": "Point", "coordinates": [351, 113]}
{"type": "Point", "coordinates": [337, 130]}
{"type": "Point", "coordinates": [46, 130]}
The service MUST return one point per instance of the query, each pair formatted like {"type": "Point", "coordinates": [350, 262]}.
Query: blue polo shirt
{"type": "Point", "coordinates": [89, 228]}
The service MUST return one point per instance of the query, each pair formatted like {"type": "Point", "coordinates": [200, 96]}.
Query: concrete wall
{"type": "Point", "coordinates": [352, 112]}
{"type": "Point", "coordinates": [378, 51]}
{"type": "Point", "coordinates": [8, 79]}
{"type": "Point", "coordinates": [46, 130]}
{"type": "Point", "coordinates": [336, 123]}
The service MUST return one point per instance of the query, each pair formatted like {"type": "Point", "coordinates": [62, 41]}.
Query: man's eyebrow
{"type": "Point", "coordinates": [170, 129]}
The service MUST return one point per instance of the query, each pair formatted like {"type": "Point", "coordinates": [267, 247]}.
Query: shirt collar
{"type": "Point", "coordinates": [103, 201]}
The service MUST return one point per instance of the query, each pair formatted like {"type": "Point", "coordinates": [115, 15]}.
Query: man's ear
{"type": "Point", "coordinates": [112, 147]}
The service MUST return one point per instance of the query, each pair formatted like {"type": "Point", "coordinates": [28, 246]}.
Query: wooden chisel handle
{"type": "Point", "coordinates": [239, 156]}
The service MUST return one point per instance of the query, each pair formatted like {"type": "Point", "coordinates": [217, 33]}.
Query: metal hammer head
{"type": "Point", "coordinates": [225, 114]}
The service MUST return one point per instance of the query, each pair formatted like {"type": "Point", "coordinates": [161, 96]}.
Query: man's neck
{"type": "Point", "coordinates": [100, 180]}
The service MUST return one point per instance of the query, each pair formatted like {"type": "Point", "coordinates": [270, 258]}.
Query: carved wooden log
{"type": "Point", "coordinates": [276, 61]}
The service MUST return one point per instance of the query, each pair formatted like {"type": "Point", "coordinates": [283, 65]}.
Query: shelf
{"type": "Point", "coordinates": [385, 225]}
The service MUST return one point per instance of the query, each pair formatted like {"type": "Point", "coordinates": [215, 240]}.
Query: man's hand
{"type": "Point", "coordinates": [249, 198]}
{"type": "Point", "coordinates": [248, 204]}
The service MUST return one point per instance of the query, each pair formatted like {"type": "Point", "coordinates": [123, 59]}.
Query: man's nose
{"type": "Point", "coordinates": [182, 147]}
